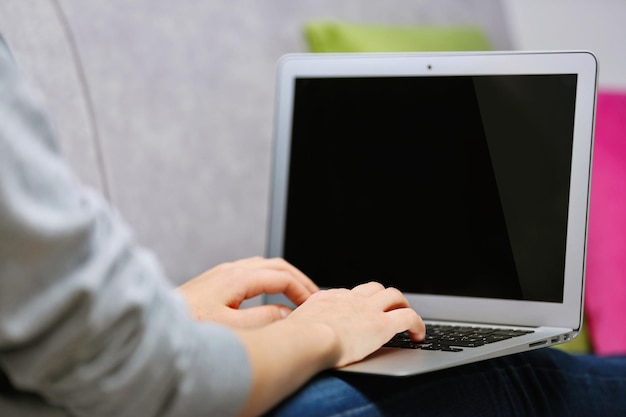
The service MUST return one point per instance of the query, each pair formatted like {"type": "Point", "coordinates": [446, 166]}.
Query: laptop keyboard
{"type": "Point", "coordinates": [454, 338]}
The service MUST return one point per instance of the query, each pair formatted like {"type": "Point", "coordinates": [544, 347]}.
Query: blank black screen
{"type": "Point", "coordinates": [434, 185]}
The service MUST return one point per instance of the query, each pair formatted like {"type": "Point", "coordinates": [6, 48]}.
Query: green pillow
{"type": "Point", "coordinates": [334, 36]}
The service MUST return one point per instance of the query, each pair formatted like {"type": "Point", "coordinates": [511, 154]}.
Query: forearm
{"type": "Point", "coordinates": [283, 356]}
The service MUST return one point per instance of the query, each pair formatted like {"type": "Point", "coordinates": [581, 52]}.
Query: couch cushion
{"type": "Point", "coordinates": [182, 96]}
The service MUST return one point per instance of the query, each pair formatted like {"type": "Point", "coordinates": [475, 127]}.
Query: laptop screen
{"type": "Point", "coordinates": [447, 185]}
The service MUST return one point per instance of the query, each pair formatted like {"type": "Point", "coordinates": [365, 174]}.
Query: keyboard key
{"type": "Point", "coordinates": [454, 338]}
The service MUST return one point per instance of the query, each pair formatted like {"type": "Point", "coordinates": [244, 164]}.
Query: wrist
{"type": "Point", "coordinates": [320, 338]}
{"type": "Point", "coordinates": [283, 356]}
{"type": "Point", "coordinates": [316, 342]}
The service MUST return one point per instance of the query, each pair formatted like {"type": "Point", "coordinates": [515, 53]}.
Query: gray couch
{"type": "Point", "coordinates": [166, 107]}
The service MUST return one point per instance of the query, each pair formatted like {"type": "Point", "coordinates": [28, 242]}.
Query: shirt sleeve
{"type": "Point", "coordinates": [88, 323]}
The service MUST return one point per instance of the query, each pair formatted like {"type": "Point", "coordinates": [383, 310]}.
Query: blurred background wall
{"type": "Point", "coordinates": [597, 26]}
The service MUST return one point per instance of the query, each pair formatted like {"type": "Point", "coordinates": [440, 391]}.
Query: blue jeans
{"type": "Point", "coordinates": [545, 382]}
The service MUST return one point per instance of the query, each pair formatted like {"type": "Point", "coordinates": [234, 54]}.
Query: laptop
{"type": "Point", "coordinates": [462, 179]}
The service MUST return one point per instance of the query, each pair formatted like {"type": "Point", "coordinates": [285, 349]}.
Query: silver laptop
{"type": "Point", "coordinates": [461, 179]}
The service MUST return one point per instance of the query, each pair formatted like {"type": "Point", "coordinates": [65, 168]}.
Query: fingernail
{"type": "Point", "coordinates": [284, 312]}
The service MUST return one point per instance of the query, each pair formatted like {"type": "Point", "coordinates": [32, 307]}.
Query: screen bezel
{"type": "Point", "coordinates": [582, 63]}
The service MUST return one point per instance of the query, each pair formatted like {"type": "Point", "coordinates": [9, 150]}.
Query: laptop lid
{"type": "Point", "coordinates": [461, 179]}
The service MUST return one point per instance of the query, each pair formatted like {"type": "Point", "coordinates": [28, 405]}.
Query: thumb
{"type": "Point", "coordinates": [262, 315]}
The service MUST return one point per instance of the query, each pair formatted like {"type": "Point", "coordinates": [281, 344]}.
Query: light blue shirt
{"type": "Point", "coordinates": [88, 323]}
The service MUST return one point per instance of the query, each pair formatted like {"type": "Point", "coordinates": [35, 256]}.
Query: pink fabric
{"type": "Point", "coordinates": [605, 294]}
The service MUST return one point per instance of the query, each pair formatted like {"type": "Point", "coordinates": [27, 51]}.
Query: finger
{"type": "Point", "coordinates": [390, 299]}
{"type": "Point", "coordinates": [266, 281]}
{"type": "Point", "coordinates": [261, 315]}
{"type": "Point", "coordinates": [407, 319]}
{"type": "Point", "coordinates": [280, 264]}
{"type": "Point", "coordinates": [283, 265]}
{"type": "Point", "coordinates": [368, 289]}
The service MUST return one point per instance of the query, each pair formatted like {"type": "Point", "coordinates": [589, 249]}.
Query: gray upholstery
{"type": "Point", "coordinates": [166, 106]}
